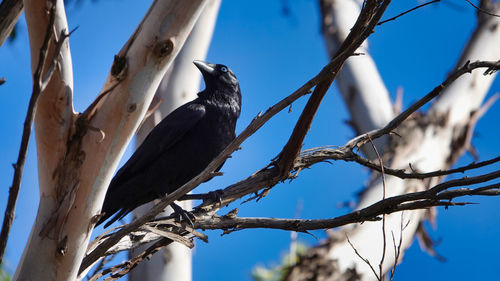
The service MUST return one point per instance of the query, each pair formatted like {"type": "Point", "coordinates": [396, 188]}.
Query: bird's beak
{"type": "Point", "coordinates": [204, 67]}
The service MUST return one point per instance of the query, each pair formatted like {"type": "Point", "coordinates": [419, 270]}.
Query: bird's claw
{"type": "Point", "coordinates": [181, 214]}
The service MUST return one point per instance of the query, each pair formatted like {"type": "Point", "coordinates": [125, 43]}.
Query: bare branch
{"type": "Point", "coordinates": [397, 248]}
{"type": "Point", "coordinates": [316, 155]}
{"type": "Point", "coordinates": [53, 62]}
{"type": "Point", "coordinates": [406, 12]}
{"type": "Point", "coordinates": [410, 201]}
{"type": "Point", "coordinates": [363, 259]}
{"type": "Point", "coordinates": [10, 10]}
{"type": "Point", "coordinates": [120, 270]}
{"type": "Point", "coordinates": [384, 188]}
{"type": "Point", "coordinates": [28, 124]}
{"type": "Point", "coordinates": [481, 10]}
{"type": "Point", "coordinates": [491, 67]}
{"type": "Point", "coordinates": [370, 14]}
{"type": "Point", "coordinates": [370, 213]}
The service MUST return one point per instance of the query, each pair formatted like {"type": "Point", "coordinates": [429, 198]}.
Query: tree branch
{"type": "Point", "coordinates": [482, 10]}
{"type": "Point", "coordinates": [316, 155]}
{"type": "Point", "coordinates": [408, 11]}
{"type": "Point", "coordinates": [370, 14]}
{"type": "Point", "coordinates": [120, 270]}
{"type": "Point", "coordinates": [28, 124]}
{"type": "Point", "coordinates": [490, 66]}
{"type": "Point", "coordinates": [10, 10]}
{"type": "Point", "coordinates": [409, 201]}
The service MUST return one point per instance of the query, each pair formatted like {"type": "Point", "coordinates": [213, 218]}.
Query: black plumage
{"type": "Point", "coordinates": [180, 146]}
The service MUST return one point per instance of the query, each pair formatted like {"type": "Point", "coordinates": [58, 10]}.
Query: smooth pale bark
{"type": "Point", "coordinates": [180, 85]}
{"type": "Point", "coordinates": [427, 147]}
{"type": "Point", "coordinates": [53, 122]}
{"type": "Point", "coordinates": [76, 161]}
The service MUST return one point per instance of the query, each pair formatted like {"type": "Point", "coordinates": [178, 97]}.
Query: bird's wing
{"type": "Point", "coordinates": [166, 134]}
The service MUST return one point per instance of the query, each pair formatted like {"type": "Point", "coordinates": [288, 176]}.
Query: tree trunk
{"type": "Point", "coordinates": [77, 153]}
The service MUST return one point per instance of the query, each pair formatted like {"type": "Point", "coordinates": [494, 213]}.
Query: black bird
{"type": "Point", "coordinates": [179, 147]}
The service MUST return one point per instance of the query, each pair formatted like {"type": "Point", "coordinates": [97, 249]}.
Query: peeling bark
{"type": "Point", "coordinates": [75, 161]}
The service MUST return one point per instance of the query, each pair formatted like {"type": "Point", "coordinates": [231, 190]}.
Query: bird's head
{"type": "Point", "coordinates": [217, 76]}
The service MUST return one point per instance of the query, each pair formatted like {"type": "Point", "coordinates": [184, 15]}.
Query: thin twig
{"type": "Point", "coordinates": [28, 123]}
{"type": "Point", "coordinates": [53, 62]}
{"type": "Point", "coordinates": [406, 12]}
{"type": "Point", "coordinates": [482, 10]}
{"type": "Point", "coordinates": [363, 259]}
{"type": "Point", "coordinates": [397, 248]}
{"type": "Point", "coordinates": [384, 188]}
{"type": "Point", "coordinates": [100, 267]}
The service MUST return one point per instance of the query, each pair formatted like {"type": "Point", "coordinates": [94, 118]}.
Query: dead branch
{"type": "Point", "coordinates": [362, 258]}
{"type": "Point", "coordinates": [384, 188]}
{"type": "Point", "coordinates": [316, 155]}
{"type": "Point", "coordinates": [482, 10]}
{"type": "Point", "coordinates": [38, 85]}
{"type": "Point", "coordinates": [410, 201]}
{"type": "Point", "coordinates": [120, 270]}
{"type": "Point", "coordinates": [408, 11]}
{"type": "Point", "coordinates": [10, 10]}
{"type": "Point", "coordinates": [490, 66]}
{"type": "Point", "coordinates": [397, 248]}
{"type": "Point", "coordinates": [370, 14]}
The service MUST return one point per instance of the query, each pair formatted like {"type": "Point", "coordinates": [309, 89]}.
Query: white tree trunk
{"type": "Point", "coordinates": [76, 164]}
{"type": "Point", "coordinates": [180, 85]}
{"type": "Point", "coordinates": [429, 147]}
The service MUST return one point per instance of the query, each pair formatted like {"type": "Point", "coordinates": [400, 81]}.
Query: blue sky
{"type": "Point", "coordinates": [272, 55]}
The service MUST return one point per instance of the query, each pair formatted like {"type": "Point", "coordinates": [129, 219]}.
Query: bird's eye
{"type": "Point", "coordinates": [223, 69]}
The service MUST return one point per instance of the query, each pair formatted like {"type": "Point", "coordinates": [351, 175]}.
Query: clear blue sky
{"type": "Point", "coordinates": [272, 55]}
